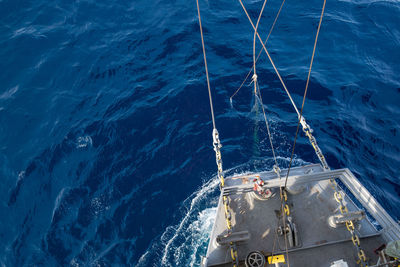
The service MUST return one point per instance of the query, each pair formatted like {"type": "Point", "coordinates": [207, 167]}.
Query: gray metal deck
{"type": "Point", "coordinates": [320, 244]}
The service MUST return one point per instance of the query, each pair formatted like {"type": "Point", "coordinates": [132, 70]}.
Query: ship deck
{"type": "Point", "coordinates": [311, 204]}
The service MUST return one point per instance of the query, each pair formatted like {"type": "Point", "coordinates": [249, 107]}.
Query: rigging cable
{"type": "Point", "coordinates": [283, 200]}
{"type": "Point", "coordinates": [362, 260]}
{"type": "Point", "coordinates": [305, 91]}
{"type": "Point", "coordinates": [259, 53]}
{"type": "Point", "coordinates": [254, 49]}
{"type": "Point", "coordinates": [257, 91]}
{"type": "Point", "coordinates": [276, 168]}
{"type": "Point", "coordinates": [270, 59]}
{"type": "Point", "coordinates": [217, 148]}
{"type": "Point", "coordinates": [205, 65]}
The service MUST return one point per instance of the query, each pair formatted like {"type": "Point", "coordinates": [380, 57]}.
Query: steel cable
{"type": "Point", "coordinates": [259, 53]}
{"type": "Point", "coordinates": [305, 91]}
{"type": "Point", "coordinates": [270, 59]}
{"type": "Point", "coordinates": [205, 65]}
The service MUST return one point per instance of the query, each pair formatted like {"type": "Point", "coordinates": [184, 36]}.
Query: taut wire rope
{"type": "Point", "coordinates": [205, 65]}
{"type": "Point", "coordinates": [217, 148]}
{"type": "Point", "coordinates": [270, 59]}
{"type": "Point", "coordinates": [257, 91]}
{"type": "Point", "coordinates": [254, 48]}
{"type": "Point", "coordinates": [284, 86]}
{"type": "Point", "coordinates": [259, 53]}
{"type": "Point", "coordinates": [305, 91]}
{"type": "Point", "coordinates": [267, 124]}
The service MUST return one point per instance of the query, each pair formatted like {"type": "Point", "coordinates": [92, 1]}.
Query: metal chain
{"type": "Point", "coordinates": [308, 131]}
{"type": "Point", "coordinates": [217, 148]}
{"type": "Point", "coordinates": [217, 145]}
{"type": "Point", "coordinates": [300, 115]}
{"type": "Point", "coordinates": [362, 259]}
{"type": "Point", "coordinates": [285, 212]}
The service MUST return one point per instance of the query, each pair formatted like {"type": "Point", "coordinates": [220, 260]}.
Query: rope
{"type": "Point", "coordinates": [305, 91]}
{"type": "Point", "coordinates": [259, 53]}
{"type": "Point", "coordinates": [205, 65]}
{"type": "Point", "coordinates": [257, 87]}
{"type": "Point", "coordinates": [217, 148]}
{"type": "Point", "coordinates": [362, 260]}
{"type": "Point", "coordinates": [284, 86]}
{"type": "Point", "coordinates": [254, 48]}
{"type": "Point", "coordinates": [267, 124]}
{"type": "Point", "coordinates": [283, 199]}
{"type": "Point", "coordinates": [270, 59]}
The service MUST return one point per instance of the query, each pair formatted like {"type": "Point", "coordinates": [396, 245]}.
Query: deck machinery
{"type": "Point", "coordinates": [312, 232]}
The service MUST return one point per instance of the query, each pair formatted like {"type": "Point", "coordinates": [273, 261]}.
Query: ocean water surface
{"type": "Point", "coordinates": [105, 131]}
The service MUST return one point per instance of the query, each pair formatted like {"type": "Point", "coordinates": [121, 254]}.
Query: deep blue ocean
{"type": "Point", "coordinates": [105, 131]}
